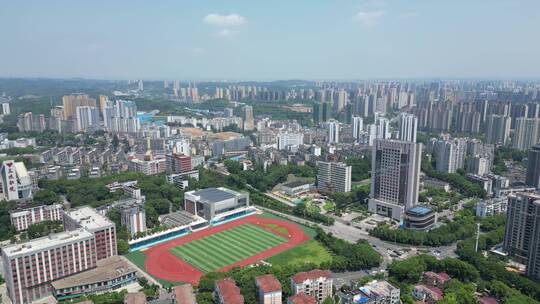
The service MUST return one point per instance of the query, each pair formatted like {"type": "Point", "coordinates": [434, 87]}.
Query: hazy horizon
{"type": "Point", "coordinates": [241, 40]}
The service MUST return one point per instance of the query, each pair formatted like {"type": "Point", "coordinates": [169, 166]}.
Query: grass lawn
{"type": "Point", "coordinates": [307, 230]}
{"type": "Point", "coordinates": [328, 206]}
{"type": "Point", "coordinates": [137, 258]}
{"type": "Point", "coordinates": [308, 252]}
{"type": "Point", "coordinates": [227, 247]}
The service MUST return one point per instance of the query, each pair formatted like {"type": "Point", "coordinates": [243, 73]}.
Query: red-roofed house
{"type": "Point", "coordinates": [183, 294]}
{"type": "Point", "coordinates": [269, 289]}
{"type": "Point", "coordinates": [436, 279]}
{"type": "Point", "coordinates": [316, 283]}
{"type": "Point", "coordinates": [226, 292]}
{"type": "Point", "coordinates": [430, 295]}
{"type": "Point", "coordinates": [301, 298]}
{"type": "Point", "coordinates": [486, 300]}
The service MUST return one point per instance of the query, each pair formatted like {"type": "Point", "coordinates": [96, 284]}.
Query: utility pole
{"type": "Point", "coordinates": [477, 237]}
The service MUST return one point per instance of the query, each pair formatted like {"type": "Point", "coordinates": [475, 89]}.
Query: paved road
{"type": "Point", "coordinates": [352, 234]}
{"type": "Point", "coordinates": [277, 198]}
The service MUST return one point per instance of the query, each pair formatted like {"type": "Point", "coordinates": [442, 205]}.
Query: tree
{"type": "Point", "coordinates": [122, 246]}
{"type": "Point", "coordinates": [233, 167]}
{"type": "Point", "coordinates": [46, 196]}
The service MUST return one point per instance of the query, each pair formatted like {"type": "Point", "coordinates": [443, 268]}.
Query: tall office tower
{"type": "Point", "coordinates": [176, 85]}
{"type": "Point", "coordinates": [533, 167]}
{"type": "Point", "coordinates": [407, 127]}
{"type": "Point", "coordinates": [357, 127]}
{"type": "Point", "coordinates": [498, 129]}
{"type": "Point", "coordinates": [87, 117]}
{"type": "Point", "coordinates": [322, 112]}
{"type": "Point", "coordinates": [332, 127]}
{"type": "Point", "coordinates": [522, 231]}
{"type": "Point", "coordinates": [395, 177]}
{"type": "Point", "coordinates": [249, 123]}
{"type": "Point", "coordinates": [141, 85]}
{"type": "Point", "coordinates": [526, 134]}
{"type": "Point", "coordinates": [71, 102]}
{"type": "Point", "coordinates": [31, 266]}
{"type": "Point", "coordinates": [333, 176]}
{"type": "Point", "coordinates": [6, 110]}
{"type": "Point", "coordinates": [165, 84]}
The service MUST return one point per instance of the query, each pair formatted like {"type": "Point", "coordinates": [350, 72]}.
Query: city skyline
{"type": "Point", "coordinates": [368, 39]}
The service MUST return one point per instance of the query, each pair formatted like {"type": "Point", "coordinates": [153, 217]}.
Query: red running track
{"type": "Point", "coordinates": [162, 264]}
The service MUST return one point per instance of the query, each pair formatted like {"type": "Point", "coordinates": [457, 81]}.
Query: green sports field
{"type": "Point", "coordinates": [226, 247]}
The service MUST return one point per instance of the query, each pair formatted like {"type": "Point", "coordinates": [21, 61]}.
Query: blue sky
{"type": "Point", "coordinates": [264, 40]}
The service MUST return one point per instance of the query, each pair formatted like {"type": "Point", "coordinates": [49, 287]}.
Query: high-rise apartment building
{"type": "Point", "coordinates": [332, 127]}
{"type": "Point", "coordinates": [6, 110]}
{"type": "Point", "coordinates": [121, 117]}
{"type": "Point", "coordinates": [322, 112]}
{"type": "Point", "coordinates": [357, 127]}
{"type": "Point", "coordinates": [249, 123]}
{"type": "Point", "coordinates": [333, 176]}
{"type": "Point", "coordinates": [408, 124]}
{"type": "Point", "coordinates": [526, 133]}
{"type": "Point", "coordinates": [87, 117]}
{"type": "Point", "coordinates": [450, 154]}
{"type": "Point", "coordinates": [395, 177]}
{"type": "Point", "coordinates": [498, 129]}
{"type": "Point", "coordinates": [71, 102]}
{"type": "Point", "coordinates": [533, 167]}
{"type": "Point", "coordinates": [522, 231]}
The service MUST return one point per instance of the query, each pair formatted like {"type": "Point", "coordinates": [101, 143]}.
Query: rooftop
{"type": "Point", "coordinates": [302, 298]}
{"type": "Point", "coordinates": [229, 292]}
{"type": "Point", "coordinates": [178, 218]}
{"type": "Point", "coordinates": [52, 240]}
{"type": "Point", "coordinates": [377, 289]}
{"type": "Point", "coordinates": [89, 218]}
{"type": "Point", "coordinates": [107, 269]}
{"type": "Point", "coordinates": [268, 283]}
{"type": "Point", "coordinates": [419, 210]}
{"type": "Point", "coordinates": [311, 275]}
{"type": "Point", "coordinates": [184, 294]}
{"type": "Point", "coordinates": [295, 184]}
{"type": "Point", "coordinates": [214, 195]}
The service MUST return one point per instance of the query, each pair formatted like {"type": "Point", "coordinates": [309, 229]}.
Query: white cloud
{"type": "Point", "coordinates": [218, 20]}
{"type": "Point", "coordinates": [369, 19]}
